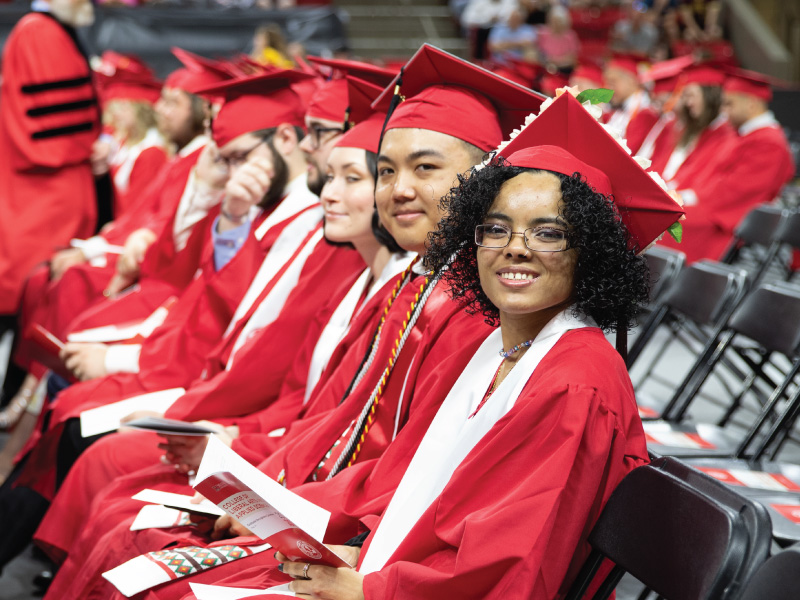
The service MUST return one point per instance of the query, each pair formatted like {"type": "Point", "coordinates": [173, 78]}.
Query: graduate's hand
{"type": "Point", "coordinates": [86, 361]}
{"type": "Point", "coordinates": [227, 527]}
{"type": "Point", "coordinates": [326, 583]}
{"type": "Point", "coordinates": [211, 173]}
{"type": "Point", "coordinates": [128, 262]}
{"type": "Point", "coordinates": [186, 452]}
{"type": "Point", "coordinates": [247, 186]}
{"type": "Point", "coordinates": [101, 151]}
{"type": "Point", "coordinates": [63, 260]}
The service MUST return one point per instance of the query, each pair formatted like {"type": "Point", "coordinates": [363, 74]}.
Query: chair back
{"type": "Point", "coordinates": [703, 291]}
{"type": "Point", "coordinates": [759, 225]}
{"type": "Point", "coordinates": [754, 515]}
{"type": "Point", "coordinates": [770, 315]}
{"type": "Point", "coordinates": [788, 232]}
{"type": "Point", "coordinates": [664, 265]}
{"type": "Point", "coordinates": [677, 539]}
{"type": "Point", "coordinates": [778, 578]}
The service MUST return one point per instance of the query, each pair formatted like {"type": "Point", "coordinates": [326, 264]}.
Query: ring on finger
{"type": "Point", "coordinates": [305, 571]}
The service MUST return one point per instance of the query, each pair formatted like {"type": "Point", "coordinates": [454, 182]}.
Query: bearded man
{"type": "Point", "coordinates": [49, 119]}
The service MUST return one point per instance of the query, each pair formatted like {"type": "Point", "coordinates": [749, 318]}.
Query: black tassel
{"type": "Point", "coordinates": [397, 98]}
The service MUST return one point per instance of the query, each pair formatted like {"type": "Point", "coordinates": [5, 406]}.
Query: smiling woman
{"type": "Point", "coordinates": [606, 281]}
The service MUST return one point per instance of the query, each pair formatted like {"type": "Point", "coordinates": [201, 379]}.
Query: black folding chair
{"type": "Point", "coordinates": [755, 232]}
{"type": "Point", "coordinates": [682, 540]}
{"type": "Point", "coordinates": [778, 578]}
{"type": "Point", "coordinates": [664, 265]}
{"type": "Point", "coordinates": [770, 318]}
{"type": "Point", "coordinates": [694, 311]}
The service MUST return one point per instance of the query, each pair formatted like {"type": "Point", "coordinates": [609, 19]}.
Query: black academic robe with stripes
{"type": "Point", "coordinates": [49, 119]}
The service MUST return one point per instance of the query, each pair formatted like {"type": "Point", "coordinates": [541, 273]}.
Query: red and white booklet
{"type": "Point", "coordinates": [290, 523]}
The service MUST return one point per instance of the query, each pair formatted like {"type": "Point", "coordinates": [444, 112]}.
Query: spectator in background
{"type": "Point", "coordinates": [513, 39]}
{"type": "Point", "coordinates": [537, 11]}
{"type": "Point", "coordinates": [270, 48]}
{"type": "Point", "coordinates": [558, 42]}
{"type": "Point", "coordinates": [480, 16]}
{"type": "Point", "coordinates": [636, 32]}
{"type": "Point", "coordinates": [700, 20]}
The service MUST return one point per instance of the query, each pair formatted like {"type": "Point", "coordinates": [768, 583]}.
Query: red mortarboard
{"type": "Point", "coordinates": [749, 82]}
{"type": "Point", "coordinates": [366, 133]}
{"type": "Point", "coordinates": [631, 63]}
{"type": "Point", "coordinates": [451, 96]}
{"type": "Point", "coordinates": [703, 75]}
{"type": "Point", "coordinates": [258, 102]}
{"type": "Point", "coordinates": [198, 72]}
{"type": "Point", "coordinates": [646, 209]}
{"type": "Point", "coordinates": [122, 77]}
{"type": "Point", "coordinates": [667, 69]}
{"type": "Point", "coordinates": [367, 72]}
{"type": "Point", "coordinates": [146, 90]}
{"type": "Point", "coordinates": [589, 72]}
{"type": "Point", "coordinates": [330, 101]}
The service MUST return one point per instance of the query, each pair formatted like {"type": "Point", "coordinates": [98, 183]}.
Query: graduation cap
{"type": "Point", "coordinates": [749, 82]}
{"type": "Point", "coordinates": [197, 73]}
{"type": "Point", "coordinates": [138, 88]}
{"type": "Point", "coordinates": [703, 75]}
{"type": "Point", "coordinates": [452, 96]}
{"type": "Point", "coordinates": [257, 102]}
{"type": "Point", "coordinates": [366, 71]}
{"type": "Point", "coordinates": [366, 133]}
{"type": "Point", "coordinates": [566, 139]}
{"type": "Point", "coordinates": [330, 100]}
{"type": "Point", "coordinates": [634, 64]}
{"type": "Point", "coordinates": [126, 77]}
{"type": "Point", "coordinates": [588, 72]}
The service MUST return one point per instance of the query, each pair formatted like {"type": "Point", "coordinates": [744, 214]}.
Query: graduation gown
{"type": "Point", "coordinates": [133, 168]}
{"type": "Point", "coordinates": [173, 355]}
{"type": "Point", "coordinates": [61, 306]}
{"type": "Point", "coordinates": [513, 519]}
{"type": "Point", "coordinates": [49, 119]}
{"type": "Point", "coordinates": [751, 170]}
{"type": "Point", "coordinates": [446, 330]}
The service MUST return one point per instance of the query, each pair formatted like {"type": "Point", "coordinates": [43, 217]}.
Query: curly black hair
{"type": "Point", "coordinates": [611, 281]}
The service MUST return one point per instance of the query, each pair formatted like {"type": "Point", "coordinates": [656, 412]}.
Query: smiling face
{"type": "Point", "coordinates": [348, 197]}
{"type": "Point", "coordinates": [416, 167]}
{"type": "Point", "coordinates": [523, 284]}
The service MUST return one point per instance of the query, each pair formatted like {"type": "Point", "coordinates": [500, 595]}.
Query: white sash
{"type": "Point", "coordinates": [272, 304]}
{"type": "Point", "coordinates": [339, 323]}
{"type": "Point", "coordinates": [282, 250]}
{"type": "Point", "coordinates": [452, 434]}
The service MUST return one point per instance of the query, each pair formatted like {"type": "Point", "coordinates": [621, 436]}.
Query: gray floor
{"type": "Point", "coordinates": [16, 580]}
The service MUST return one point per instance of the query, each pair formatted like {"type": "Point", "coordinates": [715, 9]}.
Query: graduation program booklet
{"type": "Point", "coordinates": [291, 524]}
{"type": "Point", "coordinates": [168, 426]}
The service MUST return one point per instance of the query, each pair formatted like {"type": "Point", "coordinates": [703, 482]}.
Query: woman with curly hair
{"type": "Point", "coordinates": [509, 472]}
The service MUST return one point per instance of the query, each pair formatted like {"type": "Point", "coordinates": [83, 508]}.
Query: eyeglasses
{"type": "Point", "coordinates": [315, 133]}
{"type": "Point", "coordinates": [537, 239]}
{"type": "Point", "coordinates": [238, 159]}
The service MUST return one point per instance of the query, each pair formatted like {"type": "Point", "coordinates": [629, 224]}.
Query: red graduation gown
{"type": "Point", "coordinates": [509, 521]}
{"type": "Point", "coordinates": [172, 356]}
{"type": "Point", "coordinates": [253, 380]}
{"type": "Point", "coordinates": [751, 170]}
{"type": "Point", "coordinates": [57, 305]}
{"type": "Point", "coordinates": [48, 121]}
{"type": "Point", "coordinates": [639, 126]}
{"type": "Point", "coordinates": [447, 329]}
{"type": "Point", "coordinates": [146, 167]}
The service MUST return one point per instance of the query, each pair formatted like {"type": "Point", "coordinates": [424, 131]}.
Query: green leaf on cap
{"type": "Point", "coordinates": [676, 231]}
{"type": "Point", "coordinates": [597, 96]}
